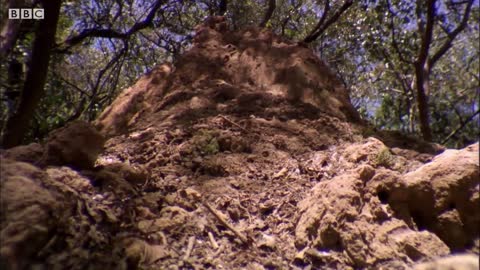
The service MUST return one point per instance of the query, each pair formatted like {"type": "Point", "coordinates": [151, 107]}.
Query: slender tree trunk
{"type": "Point", "coordinates": [423, 64]}
{"type": "Point", "coordinates": [422, 85]}
{"type": "Point", "coordinates": [33, 89]}
{"type": "Point", "coordinates": [268, 13]}
{"type": "Point", "coordinates": [222, 7]}
{"type": "Point", "coordinates": [411, 118]}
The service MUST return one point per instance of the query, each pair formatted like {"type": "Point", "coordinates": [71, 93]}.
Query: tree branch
{"type": "Point", "coordinates": [451, 36]}
{"type": "Point", "coordinates": [326, 9]}
{"type": "Point", "coordinates": [321, 27]}
{"type": "Point", "coordinates": [460, 127]}
{"type": "Point", "coordinates": [394, 39]}
{"type": "Point", "coordinates": [268, 13]}
{"type": "Point", "coordinates": [222, 7]}
{"type": "Point", "coordinates": [92, 97]}
{"type": "Point", "coordinates": [110, 33]}
{"type": "Point", "coordinates": [428, 33]}
{"type": "Point", "coordinates": [289, 17]}
{"type": "Point", "coordinates": [83, 92]}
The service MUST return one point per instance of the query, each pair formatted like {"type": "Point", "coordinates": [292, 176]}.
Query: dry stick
{"type": "Point", "coordinates": [212, 240]}
{"type": "Point", "coordinates": [219, 250]}
{"type": "Point", "coordinates": [233, 123]}
{"type": "Point", "coordinates": [460, 127]}
{"type": "Point", "coordinates": [191, 242]}
{"type": "Point", "coordinates": [48, 245]}
{"type": "Point", "coordinates": [244, 208]}
{"type": "Point", "coordinates": [242, 237]}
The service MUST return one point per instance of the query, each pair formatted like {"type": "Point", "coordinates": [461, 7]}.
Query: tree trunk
{"type": "Point", "coordinates": [222, 8]}
{"type": "Point", "coordinates": [33, 89]}
{"type": "Point", "coordinates": [422, 85]}
{"type": "Point", "coordinates": [9, 31]}
{"type": "Point", "coordinates": [268, 13]}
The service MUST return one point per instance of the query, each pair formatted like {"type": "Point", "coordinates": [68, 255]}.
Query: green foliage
{"type": "Point", "coordinates": [384, 158]}
{"type": "Point", "coordinates": [243, 13]}
{"type": "Point", "coordinates": [374, 48]}
{"type": "Point", "coordinates": [205, 142]}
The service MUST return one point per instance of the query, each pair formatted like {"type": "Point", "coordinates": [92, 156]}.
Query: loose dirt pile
{"type": "Point", "coordinates": [245, 154]}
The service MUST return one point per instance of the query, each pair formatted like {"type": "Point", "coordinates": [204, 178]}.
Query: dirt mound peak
{"type": "Point", "coordinates": [231, 72]}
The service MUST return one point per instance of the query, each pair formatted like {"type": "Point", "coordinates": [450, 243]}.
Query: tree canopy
{"type": "Point", "coordinates": [411, 65]}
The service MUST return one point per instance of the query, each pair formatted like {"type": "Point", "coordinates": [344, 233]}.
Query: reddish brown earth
{"type": "Point", "coordinates": [244, 154]}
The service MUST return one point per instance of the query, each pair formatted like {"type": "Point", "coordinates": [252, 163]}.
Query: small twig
{"type": "Point", "coordinates": [233, 123]}
{"type": "Point", "coordinates": [242, 237]}
{"type": "Point", "coordinates": [163, 238]}
{"type": "Point", "coordinates": [191, 242]}
{"type": "Point", "coordinates": [282, 172]}
{"type": "Point", "coordinates": [244, 208]}
{"type": "Point", "coordinates": [278, 208]}
{"type": "Point", "coordinates": [147, 181]}
{"type": "Point", "coordinates": [219, 250]}
{"type": "Point", "coordinates": [212, 240]}
{"type": "Point", "coordinates": [47, 246]}
{"type": "Point", "coordinates": [453, 133]}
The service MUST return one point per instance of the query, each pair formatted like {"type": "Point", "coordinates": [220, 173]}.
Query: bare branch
{"type": "Point", "coordinates": [394, 37]}
{"type": "Point", "coordinates": [323, 26]}
{"type": "Point", "coordinates": [93, 96]}
{"type": "Point", "coordinates": [83, 92]}
{"type": "Point", "coordinates": [222, 7]}
{"type": "Point", "coordinates": [326, 9]}
{"type": "Point", "coordinates": [451, 36]}
{"type": "Point", "coordinates": [427, 34]}
{"type": "Point", "coordinates": [268, 13]}
{"type": "Point", "coordinates": [110, 33]}
{"type": "Point", "coordinates": [289, 16]}
{"type": "Point", "coordinates": [453, 133]}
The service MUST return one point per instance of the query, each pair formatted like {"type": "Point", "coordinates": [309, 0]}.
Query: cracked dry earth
{"type": "Point", "coordinates": [219, 161]}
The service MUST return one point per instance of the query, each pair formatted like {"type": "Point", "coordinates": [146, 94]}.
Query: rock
{"type": "Point", "coordinates": [171, 217]}
{"type": "Point", "coordinates": [443, 196]}
{"type": "Point", "coordinates": [366, 172]}
{"type": "Point", "coordinates": [114, 182]}
{"type": "Point", "coordinates": [133, 175]}
{"type": "Point", "coordinates": [397, 139]}
{"type": "Point", "coordinates": [68, 181]}
{"type": "Point", "coordinates": [77, 145]}
{"type": "Point", "coordinates": [366, 151]}
{"type": "Point", "coordinates": [342, 215]}
{"type": "Point", "coordinates": [31, 153]}
{"type": "Point", "coordinates": [138, 251]}
{"type": "Point", "coordinates": [27, 214]}
{"type": "Point", "coordinates": [455, 262]}
{"type": "Point", "coordinates": [267, 242]}
{"type": "Point", "coordinates": [419, 245]}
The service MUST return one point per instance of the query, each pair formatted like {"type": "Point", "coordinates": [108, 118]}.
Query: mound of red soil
{"type": "Point", "coordinates": [250, 71]}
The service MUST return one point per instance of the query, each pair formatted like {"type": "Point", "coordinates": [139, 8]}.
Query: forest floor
{"type": "Point", "coordinates": [232, 191]}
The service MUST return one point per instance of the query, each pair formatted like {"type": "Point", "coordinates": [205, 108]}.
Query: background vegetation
{"type": "Point", "coordinates": [411, 65]}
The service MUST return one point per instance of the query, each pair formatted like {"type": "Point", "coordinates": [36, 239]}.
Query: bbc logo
{"type": "Point", "coordinates": [26, 13]}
